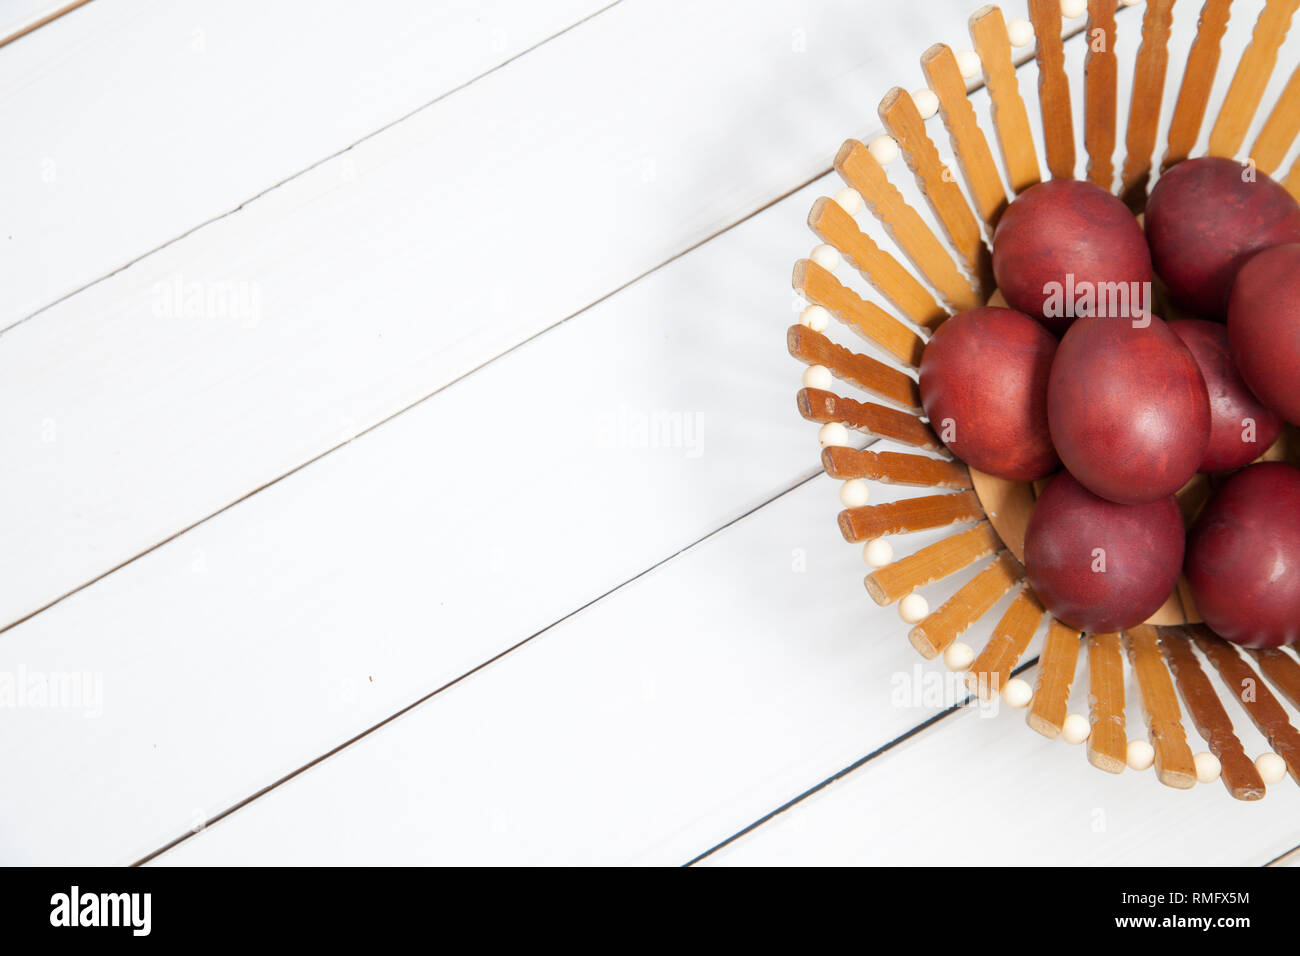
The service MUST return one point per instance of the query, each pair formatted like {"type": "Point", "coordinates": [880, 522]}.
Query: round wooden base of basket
{"type": "Point", "coordinates": [1170, 657]}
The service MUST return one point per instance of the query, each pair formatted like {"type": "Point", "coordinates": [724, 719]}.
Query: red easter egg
{"type": "Point", "coordinates": [1128, 410]}
{"type": "Point", "coordinates": [1243, 557]}
{"type": "Point", "coordinates": [1099, 566]}
{"type": "Point", "coordinates": [1264, 328]}
{"type": "Point", "coordinates": [1061, 238]}
{"type": "Point", "coordinates": [984, 387]}
{"type": "Point", "coordinates": [1241, 428]}
{"type": "Point", "coordinates": [1205, 218]}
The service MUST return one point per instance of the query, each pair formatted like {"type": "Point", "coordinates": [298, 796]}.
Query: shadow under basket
{"type": "Point", "coordinates": [940, 264]}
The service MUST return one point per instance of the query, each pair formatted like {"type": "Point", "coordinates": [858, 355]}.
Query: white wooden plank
{"type": "Point", "coordinates": [976, 792]}
{"type": "Point", "coordinates": [129, 122]}
{"type": "Point", "coordinates": [20, 18]}
{"type": "Point", "coordinates": [642, 730]}
{"type": "Point", "coordinates": [378, 277]}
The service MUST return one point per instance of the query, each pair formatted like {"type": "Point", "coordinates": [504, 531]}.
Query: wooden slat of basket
{"type": "Point", "coordinates": [1174, 764]}
{"type": "Point", "coordinates": [813, 348]}
{"type": "Point", "coordinates": [820, 286]}
{"type": "Point", "coordinates": [1053, 88]}
{"type": "Point", "coordinates": [1280, 128]}
{"type": "Point", "coordinates": [1292, 181]}
{"type": "Point", "coordinates": [1056, 667]}
{"type": "Point", "coordinates": [905, 226]}
{"type": "Point", "coordinates": [973, 599]}
{"type": "Point", "coordinates": [1198, 80]}
{"type": "Point", "coordinates": [1012, 634]}
{"type": "Point", "coordinates": [1144, 106]}
{"type": "Point", "coordinates": [894, 468]}
{"type": "Point", "coordinates": [1009, 505]}
{"type": "Point", "coordinates": [1108, 742]}
{"type": "Point", "coordinates": [988, 32]}
{"type": "Point", "coordinates": [910, 514]}
{"type": "Point", "coordinates": [1282, 670]}
{"type": "Point", "coordinates": [821, 406]}
{"type": "Point", "coordinates": [903, 121]}
{"type": "Point", "coordinates": [1260, 704]}
{"type": "Point", "coordinates": [1100, 80]}
{"type": "Point", "coordinates": [885, 273]}
{"type": "Point", "coordinates": [932, 563]}
{"type": "Point", "coordinates": [1209, 716]}
{"type": "Point", "coordinates": [969, 144]}
{"type": "Point", "coordinates": [1248, 83]}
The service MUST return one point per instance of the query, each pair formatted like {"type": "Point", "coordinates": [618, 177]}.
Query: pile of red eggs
{"type": "Point", "coordinates": [1078, 379]}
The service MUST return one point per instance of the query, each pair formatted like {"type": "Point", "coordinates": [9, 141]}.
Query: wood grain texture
{"type": "Point", "coordinates": [1209, 717]}
{"type": "Point", "coordinates": [1011, 635]}
{"type": "Point", "coordinates": [969, 145]}
{"type": "Point", "coordinates": [1282, 670]}
{"type": "Point", "coordinates": [866, 318]}
{"type": "Point", "coordinates": [1144, 104]}
{"type": "Point", "coordinates": [881, 380]}
{"type": "Point", "coordinates": [1009, 505]}
{"type": "Point", "coordinates": [905, 226]}
{"type": "Point", "coordinates": [1197, 82]}
{"type": "Point", "coordinates": [821, 406]}
{"type": "Point", "coordinates": [903, 121]}
{"type": "Point", "coordinates": [910, 514]}
{"type": "Point", "coordinates": [988, 30]}
{"type": "Point", "coordinates": [895, 468]}
{"type": "Point", "coordinates": [1108, 741]}
{"type": "Point", "coordinates": [932, 636]}
{"type": "Point", "coordinates": [932, 563]}
{"type": "Point", "coordinates": [1174, 764]}
{"type": "Point", "coordinates": [1057, 663]}
{"type": "Point", "coordinates": [1253, 694]}
{"type": "Point", "coordinates": [1100, 97]}
{"type": "Point", "coordinates": [1053, 88]}
{"type": "Point", "coordinates": [886, 274]}
{"type": "Point", "coordinates": [1251, 78]}
{"type": "Point", "coordinates": [1280, 128]}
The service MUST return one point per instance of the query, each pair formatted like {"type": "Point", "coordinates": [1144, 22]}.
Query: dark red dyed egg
{"type": "Point", "coordinates": [984, 387]}
{"type": "Point", "coordinates": [1128, 410]}
{"type": "Point", "coordinates": [1241, 428]}
{"type": "Point", "coordinates": [1243, 557]}
{"type": "Point", "coordinates": [1062, 238]}
{"type": "Point", "coordinates": [1205, 218]}
{"type": "Point", "coordinates": [1264, 328]}
{"type": "Point", "coordinates": [1099, 566]}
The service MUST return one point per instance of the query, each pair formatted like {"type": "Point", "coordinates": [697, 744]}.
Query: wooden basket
{"type": "Point", "coordinates": [940, 264]}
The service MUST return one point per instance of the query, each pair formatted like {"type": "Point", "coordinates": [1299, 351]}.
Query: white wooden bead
{"type": "Point", "coordinates": [878, 552]}
{"type": "Point", "coordinates": [815, 318]}
{"type": "Point", "coordinates": [1017, 693]}
{"type": "Point", "coordinates": [817, 376]}
{"type": "Point", "coordinates": [1020, 31]}
{"type": "Point", "coordinates": [1130, 3]}
{"type": "Point", "coordinates": [1271, 767]}
{"type": "Point", "coordinates": [833, 433]}
{"type": "Point", "coordinates": [914, 608]}
{"type": "Point", "coordinates": [959, 656]}
{"type": "Point", "coordinates": [1073, 9]}
{"type": "Point", "coordinates": [1076, 729]}
{"type": "Point", "coordinates": [885, 149]}
{"type": "Point", "coordinates": [828, 257]}
{"type": "Point", "coordinates": [1208, 767]}
{"type": "Point", "coordinates": [968, 61]}
{"type": "Point", "coordinates": [1140, 755]}
{"type": "Point", "coordinates": [927, 104]}
{"type": "Point", "coordinates": [855, 493]}
{"type": "Point", "coordinates": [850, 200]}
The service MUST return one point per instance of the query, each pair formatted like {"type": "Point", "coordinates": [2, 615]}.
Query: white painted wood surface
{"type": "Point", "coordinates": [649, 648]}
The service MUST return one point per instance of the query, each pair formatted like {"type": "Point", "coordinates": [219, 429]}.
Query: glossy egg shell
{"type": "Point", "coordinates": [984, 387]}
{"type": "Point", "coordinates": [1128, 410]}
{"type": "Point", "coordinates": [1241, 427]}
{"type": "Point", "coordinates": [1243, 557]}
{"type": "Point", "coordinates": [1099, 566]}
{"type": "Point", "coordinates": [1205, 218]}
{"type": "Point", "coordinates": [1264, 328]}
